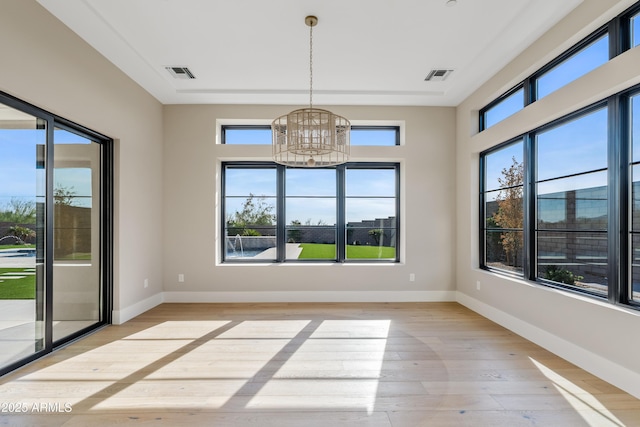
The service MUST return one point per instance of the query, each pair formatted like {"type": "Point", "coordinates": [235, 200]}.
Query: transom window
{"type": "Point", "coordinates": [261, 135]}
{"type": "Point", "coordinates": [503, 107]}
{"type": "Point", "coordinates": [588, 56]}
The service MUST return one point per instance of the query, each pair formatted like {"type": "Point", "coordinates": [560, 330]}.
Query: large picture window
{"type": "Point", "coordinates": [557, 202]}
{"type": "Point", "coordinates": [276, 213]}
{"type": "Point", "coordinates": [561, 204]}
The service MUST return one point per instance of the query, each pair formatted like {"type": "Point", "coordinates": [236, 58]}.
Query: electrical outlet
{"type": "Point", "coordinates": [146, 283]}
{"type": "Point", "coordinates": [412, 277]}
{"type": "Point", "coordinates": [180, 277]}
{"type": "Point", "coordinates": [478, 285]}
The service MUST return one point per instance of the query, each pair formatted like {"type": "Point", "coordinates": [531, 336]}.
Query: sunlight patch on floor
{"type": "Point", "coordinates": [586, 405]}
{"type": "Point", "coordinates": [298, 380]}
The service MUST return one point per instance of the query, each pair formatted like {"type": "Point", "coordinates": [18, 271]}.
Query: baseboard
{"type": "Point", "coordinates": [312, 296]}
{"type": "Point", "coordinates": [605, 369]}
{"type": "Point", "coordinates": [128, 313]}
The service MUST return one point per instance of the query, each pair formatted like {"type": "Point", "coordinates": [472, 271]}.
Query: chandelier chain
{"type": "Point", "coordinates": [310, 66]}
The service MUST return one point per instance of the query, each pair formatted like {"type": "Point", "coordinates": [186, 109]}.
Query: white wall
{"type": "Point", "coordinates": [192, 166]}
{"type": "Point", "coordinates": [46, 64]}
{"type": "Point", "coordinates": [594, 335]}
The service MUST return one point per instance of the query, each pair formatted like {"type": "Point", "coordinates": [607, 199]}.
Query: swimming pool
{"type": "Point", "coordinates": [17, 252]}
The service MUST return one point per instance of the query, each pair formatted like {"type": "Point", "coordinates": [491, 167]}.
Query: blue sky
{"type": "Point", "coordinates": [19, 177]}
{"type": "Point", "coordinates": [587, 59]}
{"type": "Point", "coordinates": [311, 193]}
{"type": "Point", "coordinates": [573, 147]}
{"type": "Point", "coordinates": [358, 137]}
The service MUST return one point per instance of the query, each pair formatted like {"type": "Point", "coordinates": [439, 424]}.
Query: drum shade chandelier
{"type": "Point", "coordinates": [310, 137]}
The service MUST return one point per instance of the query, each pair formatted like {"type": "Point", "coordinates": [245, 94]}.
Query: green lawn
{"type": "Point", "coordinates": [17, 246]}
{"type": "Point", "coordinates": [365, 252]}
{"type": "Point", "coordinates": [328, 251]}
{"type": "Point", "coordinates": [24, 288]}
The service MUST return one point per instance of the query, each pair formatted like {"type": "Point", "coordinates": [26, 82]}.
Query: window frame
{"type": "Point", "coordinates": [373, 128]}
{"type": "Point", "coordinates": [625, 19]}
{"type": "Point", "coordinates": [281, 226]}
{"type": "Point", "coordinates": [106, 257]}
{"type": "Point", "coordinates": [619, 31]}
{"type": "Point", "coordinates": [533, 231]}
{"type": "Point", "coordinates": [619, 203]}
{"type": "Point", "coordinates": [225, 127]}
{"type": "Point", "coordinates": [483, 205]}
{"type": "Point", "coordinates": [482, 116]}
{"type": "Point", "coordinates": [568, 54]}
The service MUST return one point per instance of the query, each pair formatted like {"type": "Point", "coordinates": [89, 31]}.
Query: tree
{"type": "Point", "coordinates": [376, 234]}
{"type": "Point", "coordinates": [319, 222]}
{"type": "Point", "coordinates": [19, 211]}
{"type": "Point", "coordinates": [509, 215]}
{"type": "Point", "coordinates": [294, 235]}
{"type": "Point", "coordinates": [255, 211]}
{"type": "Point", "coordinates": [20, 233]}
{"type": "Point", "coordinates": [63, 195]}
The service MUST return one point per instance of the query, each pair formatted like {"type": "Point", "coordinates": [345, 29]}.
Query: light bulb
{"type": "Point", "coordinates": [311, 162]}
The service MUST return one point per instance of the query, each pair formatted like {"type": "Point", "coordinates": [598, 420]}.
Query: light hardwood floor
{"type": "Point", "coordinates": [396, 364]}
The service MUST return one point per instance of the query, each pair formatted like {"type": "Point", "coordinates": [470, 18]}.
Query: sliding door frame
{"type": "Point", "coordinates": [106, 226]}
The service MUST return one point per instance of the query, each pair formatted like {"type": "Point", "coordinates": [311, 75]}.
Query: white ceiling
{"type": "Point", "coordinates": [365, 52]}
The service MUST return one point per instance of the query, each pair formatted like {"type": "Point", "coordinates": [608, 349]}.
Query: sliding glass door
{"type": "Point", "coordinates": [22, 237]}
{"type": "Point", "coordinates": [55, 245]}
{"type": "Point", "coordinates": [76, 233]}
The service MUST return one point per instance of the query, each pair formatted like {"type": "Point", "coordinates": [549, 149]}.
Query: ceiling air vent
{"type": "Point", "coordinates": [437, 75]}
{"type": "Point", "coordinates": [180, 73]}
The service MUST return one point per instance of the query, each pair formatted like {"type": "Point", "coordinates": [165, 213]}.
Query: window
{"type": "Point", "coordinates": [577, 64]}
{"type": "Point", "coordinates": [502, 108]}
{"type": "Point", "coordinates": [360, 135]}
{"type": "Point", "coordinates": [584, 57]}
{"type": "Point", "coordinates": [310, 206]}
{"type": "Point", "coordinates": [371, 212]}
{"type": "Point", "coordinates": [574, 211]}
{"type": "Point", "coordinates": [76, 176]}
{"type": "Point", "coordinates": [375, 135]}
{"type": "Point", "coordinates": [246, 134]}
{"type": "Point", "coordinates": [250, 212]}
{"type": "Point", "coordinates": [572, 199]}
{"type": "Point", "coordinates": [566, 230]}
{"type": "Point", "coordinates": [503, 215]}
{"type": "Point", "coordinates": [635, 199]}
{"type": "Point", "coordinates": [276, 213]}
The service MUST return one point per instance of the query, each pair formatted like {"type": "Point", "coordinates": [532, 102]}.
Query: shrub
{"type": "Point", "coordinates": [561, 275]}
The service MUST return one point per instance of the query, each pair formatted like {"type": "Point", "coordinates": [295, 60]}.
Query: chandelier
{"type": "Point", "coordinates": [310, 137]}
